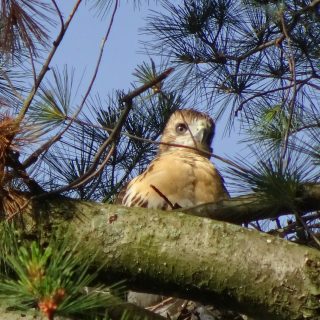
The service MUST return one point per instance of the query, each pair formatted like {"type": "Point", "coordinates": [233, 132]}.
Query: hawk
{"type": "Point", "coordinates": [181, 175]}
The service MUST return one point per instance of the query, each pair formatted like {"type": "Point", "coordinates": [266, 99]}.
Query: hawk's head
{"type": "Point", "coordinates": [188, 128]}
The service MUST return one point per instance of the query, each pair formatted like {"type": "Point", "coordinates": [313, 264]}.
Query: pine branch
{"type": "Point", "coordinates": [194, 258]}
{"type": "Point", "coordinates": [248, 208]}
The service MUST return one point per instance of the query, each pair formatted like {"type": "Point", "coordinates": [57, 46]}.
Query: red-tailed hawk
{"type": "Point", "coordinates": [181, 175]}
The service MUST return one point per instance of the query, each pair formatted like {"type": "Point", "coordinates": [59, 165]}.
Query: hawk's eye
{"type": "Point", "coordinates": [181, 128]}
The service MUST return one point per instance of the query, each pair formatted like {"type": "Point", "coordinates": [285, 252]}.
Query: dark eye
{"type": "Point", "coordinates": [181, 128]}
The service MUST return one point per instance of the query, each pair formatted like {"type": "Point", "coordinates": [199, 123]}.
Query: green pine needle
{"type": "Point", "coordinates": [53, 103]}
{"type": "Point", "coordinates": [274, 180]}
{"type": "Point", "coordinates": [54, 279]}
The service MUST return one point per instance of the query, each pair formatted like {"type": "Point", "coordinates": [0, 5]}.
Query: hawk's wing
{"type": "Point", "coordinates": [121, 194]}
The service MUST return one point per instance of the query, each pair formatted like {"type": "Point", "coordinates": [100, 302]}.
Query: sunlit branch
{"type": "Point", "coordinates": [292, 66]}
{"type": "Point", "coordinates": [34, 156]}
{"type": "Point", "coordinates": [104, 40]}
{"type": "Point", "coordinates": [45, 66]}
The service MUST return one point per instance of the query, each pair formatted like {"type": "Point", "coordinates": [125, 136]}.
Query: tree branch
{"type": "Point", "coordinates": [252, 207]}
{"type": "Point", "coordinates": [175, 254]}
{"type": "Point", "coordinates": [45, 66]}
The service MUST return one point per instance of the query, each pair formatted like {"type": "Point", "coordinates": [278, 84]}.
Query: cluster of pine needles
{"type": "Point", "coordinates": [52, 279]}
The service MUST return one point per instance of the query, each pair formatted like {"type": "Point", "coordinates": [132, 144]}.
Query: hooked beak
{"type": "Point", "coordinates": [202, 139]}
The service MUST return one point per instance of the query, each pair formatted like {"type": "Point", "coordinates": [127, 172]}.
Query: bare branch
{"type": "Point", "coordinates": [45, 66]}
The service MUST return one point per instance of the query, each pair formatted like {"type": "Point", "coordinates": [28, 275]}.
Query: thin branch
{"type": "Point", "coordinates": [34, 156]}
{"type": "Point", "coordinates": [20, 171]}
{"type": "Point", "coordinates": [260, 94]}
{"type": "Point", "coordinates": [263, 46]}
{"type": "Point", "coordinates": [131, 95]}
{"type": "Point", "coordinates": [307, 229]}
{"type": "Point", "coordinates": [93, 174]}
{"type": "Point", "coordinates": [45, 66]}
{"type": "Point", "coordinates": [104, 40]}
{"type": "Point", "coordinates": [163, 196]}
{"type": "Point", "coordinates": [59, 13]}
{"type": "Point", "coordinates": [292, 66]}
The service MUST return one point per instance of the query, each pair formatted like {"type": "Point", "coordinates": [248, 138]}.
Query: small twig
{"type": "Point", "coordinates": [81, 180]}
{"type": "Point", "coordinates": [34, 156]}
{"type": "Point", "coordinates": [291, 227]}
{"type": "Point", "coordinates": [20, 171]}
{"type": "Point", "coordinates": [95, 173]}
{"type": "Point", "coordinates": [255, 225]}
{"type": "Point", "coordinates": [18, 211]}
{"type": "Point", "coordinates": [292, 67]}
{"type": "Point", "coordinates": [262, 47]}
{"type": "Point", "coordinates": [173, 206]}
{"type": "Point", "coordinates": [184, 312]}
{"type": "Point", "coordinates": [59, 13]}
{"type": "Point", "coordinates": [97, 67]}
{"type": "Point", "coordinates": [45, 66]}
{"type": "Point", "coordinates": [161, 304]}
{"type": "Point", "coordinates": [278, 223]}
{"type": "Point", "coordinates": [260, 94]}
{"type": "Point", "coordinates": [131, 95]}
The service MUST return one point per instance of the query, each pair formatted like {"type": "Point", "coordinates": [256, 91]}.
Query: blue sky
{"type": "Point", "coordinates": [81, 45]}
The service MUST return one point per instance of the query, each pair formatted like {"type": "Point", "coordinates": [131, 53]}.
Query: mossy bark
{"type": "Point", "coordinates": [176, 254]}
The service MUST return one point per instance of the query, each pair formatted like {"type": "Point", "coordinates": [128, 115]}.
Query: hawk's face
{"type": "Point", "coordinates": [188, 128]}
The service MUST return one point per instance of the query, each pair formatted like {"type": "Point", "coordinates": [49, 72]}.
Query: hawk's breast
{"type": "Point", "coordinates": [182, 178]}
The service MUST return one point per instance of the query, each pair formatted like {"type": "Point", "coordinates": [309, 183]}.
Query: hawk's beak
{"type": "Point", "coordinates": [201, 137]}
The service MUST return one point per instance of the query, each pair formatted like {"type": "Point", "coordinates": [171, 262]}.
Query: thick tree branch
{"type": "Point", "coordinates": [248, 208]}
{"type": "Point", "coordinates": [186, 256]}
